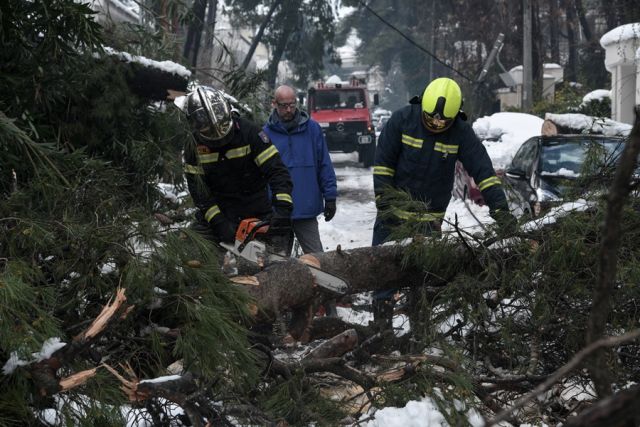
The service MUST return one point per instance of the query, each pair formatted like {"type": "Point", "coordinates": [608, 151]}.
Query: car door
{"type": "Point", "coordinates": [521, 176]}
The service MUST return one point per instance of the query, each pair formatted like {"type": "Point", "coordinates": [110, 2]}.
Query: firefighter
{"type": "Point", "coordinates": [417, 152]}
{"type": "Point", "coordinates": [233, 171]}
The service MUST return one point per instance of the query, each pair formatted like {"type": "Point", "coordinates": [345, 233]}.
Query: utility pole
{"type": "Point", "coordinates": [497, 46]}
{"type": "Point", "coordinates": [527, 60]}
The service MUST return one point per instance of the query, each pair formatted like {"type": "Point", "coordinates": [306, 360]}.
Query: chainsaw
{"type": "Point", "coordinates": [251, 245]}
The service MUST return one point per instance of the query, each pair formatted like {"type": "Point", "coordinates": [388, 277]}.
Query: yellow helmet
{"type": "Point", "coordinates": [441, 102]}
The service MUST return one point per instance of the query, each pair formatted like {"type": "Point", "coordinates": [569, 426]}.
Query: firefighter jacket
{"type": "Point", "coordinates": [304, 151]}
{"type": "Point", "coordinates": [411, 158]}
{"type": "Point", "coordinates": [239, 178]}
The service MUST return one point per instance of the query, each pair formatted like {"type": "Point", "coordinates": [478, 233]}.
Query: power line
{"type": "Point", "coordinates": [410, 40]}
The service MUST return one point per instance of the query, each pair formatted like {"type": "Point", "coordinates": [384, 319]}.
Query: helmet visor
{"type": "Point", "coordinates": [435, 124]}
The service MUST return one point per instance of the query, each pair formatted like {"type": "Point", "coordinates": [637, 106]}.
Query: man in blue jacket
{"type": "Point", "coordinates": [303, 150]}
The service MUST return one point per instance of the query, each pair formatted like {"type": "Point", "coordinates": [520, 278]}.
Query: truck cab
{"type": "Point", "coordinates": [343, 111]}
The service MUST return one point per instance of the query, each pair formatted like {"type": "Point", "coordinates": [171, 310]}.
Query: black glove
{"type": "Point", "coordinates": [224, 231]}
{"type": "Point", "coordinates": [280, 222]}
{"type": "Point", "coordinates": [507, 223]}
{"type": "Point", "coordinates": [329, 209]}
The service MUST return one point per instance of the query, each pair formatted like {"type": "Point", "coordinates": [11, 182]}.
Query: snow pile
{"type": "Point", "coordinates": [620, 34]}
{"type": "Point", "coordinates": [50, 346]}
{"type": "Point", "coordinates": [596, 95]}
{"type": "Point", "coordinates": [503, 133]}
{"type": "Point", "coordinates": [168, 66]}
{"type": "Point", "coordinates": [416, 414]}
{"type": "Point", "coordinates": [590, 124]}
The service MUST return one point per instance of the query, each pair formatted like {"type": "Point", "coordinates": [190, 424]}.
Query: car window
{"type": "Point", "coordinates": [562, 159]}
{"type": "Point", "coordinates": [525, 156]}
{"type": "Point", "coordinates": [566, 158]}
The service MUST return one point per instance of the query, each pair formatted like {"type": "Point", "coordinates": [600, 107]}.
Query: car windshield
{"type": "Point", "coordinates": [566, 158]}
{"type": "Point", "coordinates": [335, 99]}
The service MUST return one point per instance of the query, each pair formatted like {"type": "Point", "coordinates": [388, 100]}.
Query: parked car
{"type": "Point", "coordinates": [546, 167]}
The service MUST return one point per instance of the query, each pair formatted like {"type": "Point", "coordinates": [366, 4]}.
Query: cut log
{"type": "Point", "coordinates": [565, 124]}
{"type": "Point", "coordinates": [290, 284]}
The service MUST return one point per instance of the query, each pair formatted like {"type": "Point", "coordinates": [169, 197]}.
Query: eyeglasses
{"type": "Point", "coordinates": [435, 123]}
{"type": "Point", "coordinates": [286, 106]}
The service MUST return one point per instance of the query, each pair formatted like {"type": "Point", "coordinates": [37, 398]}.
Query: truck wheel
{"type": "Point", "coordinates": [366, 154]}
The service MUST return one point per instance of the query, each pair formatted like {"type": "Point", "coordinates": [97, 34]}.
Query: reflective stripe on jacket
{"type": "Point", "coordinates": [230, 180]}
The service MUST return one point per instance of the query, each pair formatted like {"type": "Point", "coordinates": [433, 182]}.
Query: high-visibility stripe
{"type": "Point", "coordinates": [208, 158]}
{"type": "Point", "coordinates": [266, 155]}
{"type": "Point", "coordinates": [383, 170]}
{"type": "Point", "coordinates": [238, 152]}
{"type": "Point", "coordinates": [411, 141]}
{"type": "Point", "coordinates": [285, 197]}
{"type": "Point", "coordinates": [445, 148]}
{"type": "Point", "coordinates": [423, 216]}
{"type": "Point", "coordinates": [211, 212]}
{"type": "Point", "coordinates": [491, 181]}
{"type": "Point", "coordinates": [194, 170]}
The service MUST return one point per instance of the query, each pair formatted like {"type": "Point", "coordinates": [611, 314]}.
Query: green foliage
{"type": "Point", "coordinates": [80, 158]}
{"type": "Point", "coordinates": [567, 100]}
{"type": "Point", "coordinates": [300, 402]}
{"type": "Point", "coordinates": [304, 31]}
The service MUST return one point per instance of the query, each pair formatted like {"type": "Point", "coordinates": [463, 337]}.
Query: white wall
{"type": "Point", "coordinates": [621, 47]}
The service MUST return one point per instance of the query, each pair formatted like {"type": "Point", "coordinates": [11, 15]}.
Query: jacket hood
{"type": "Point", "coordinates": [276, 125]}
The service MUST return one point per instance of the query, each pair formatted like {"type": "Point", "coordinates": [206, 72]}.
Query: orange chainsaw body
{"type": "Point", "coordinates": [249, 227]}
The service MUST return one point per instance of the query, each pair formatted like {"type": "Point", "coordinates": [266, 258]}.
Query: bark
{"type": "Point", "coordinates": [621, 409]}
{"type": "Point", "coordinates": [289, 284]}
{"type": "Point", "coordinates": [194, 33]}
{"type": "Point", "coordinates": [598, 368]}
{"type": "Point", "coordinates": [554, 28]}
{"type": "Point", "coordinates": [211, 25]}
{"type": "Point", "coordinates": [586, 28]}
{"type": "Point", "coordinates": [537, 59]}
{"type": "Point", "coordinates": [571, 39]}
{"type": "Point", "coordinates": [258, 37]}
{"type": "Point", "coordinates": [272, 71]}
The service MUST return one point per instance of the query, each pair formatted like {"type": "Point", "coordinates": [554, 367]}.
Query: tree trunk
{"type": "Point", "coordinates": [537, 56]}
{"type": "Point", "coordinates": [571, 40]}
{"type": "Point", "coordinates": [586, 28]}
{"type": "Point", "coordinates": [289, 284]}
{"type": "Point", "coordinates": [209, 34]}
{"type": "Point", "coordinates": [258, 36]}
{"type": "Point", "coordinates": [272, 71]}
{"type": "Point", "coordinates": [598, 367]}
{"type": "Point", "coordinates": [554, 28]}
{"type": "Point", "coordinates": [192, 44]}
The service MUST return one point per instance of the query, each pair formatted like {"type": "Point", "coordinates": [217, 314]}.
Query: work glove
{"type": "Point", "coordinates": [279, 223]}
{"type": "Point", "coordinates": [281, 231]}
{"type": "Point", "coordinates": [329, 209]}
{"type": "Point", "coordinates": [507, 223]}
{"type": "Point", "coordinates": [224, 231]}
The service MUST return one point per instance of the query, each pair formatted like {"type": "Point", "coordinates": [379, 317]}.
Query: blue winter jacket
{"type": "Point", "coordinates": [304, 151]}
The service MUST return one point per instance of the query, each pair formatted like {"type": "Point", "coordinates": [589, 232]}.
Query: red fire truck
{"type": "Point", "coordinates": [343, 111]}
